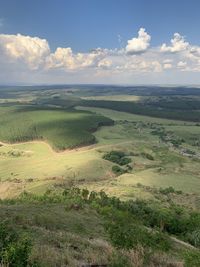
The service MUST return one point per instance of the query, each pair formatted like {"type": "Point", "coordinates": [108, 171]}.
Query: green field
{"type": "Point", "coordinates": [150, 109]}
{"type": "Point", "coordinates": [60, 128]}
{"type": "Point", "coordinates": [35, 166]}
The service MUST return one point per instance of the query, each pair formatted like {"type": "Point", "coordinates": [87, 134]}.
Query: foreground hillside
{"type": "Point", "coordinates": [81, 228]}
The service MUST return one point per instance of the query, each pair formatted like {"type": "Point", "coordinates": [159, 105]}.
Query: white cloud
{"type": "Point", "coordinates": [167, 66]}
{"type": "Point", "coordinates": [181, 64]}
{"type": "Point", "coordinates": [65, 58]}
{"type": "Point", "coordinates": [139, 44]}
{"type": "Point", "coordinates": [187, 67]}
{"type": "Point", "coordinates": [178, 44]}
{"type": "Point", "coordinates": [105, 63]}
{"type": "Point", "coordinates": [27, 58]}
{"type": "Point", "coordinates": [167, 60]}
{"type": "Point", "coordinates": [30, 50]}
{"type": "Point", "coordinates": [140, 65]}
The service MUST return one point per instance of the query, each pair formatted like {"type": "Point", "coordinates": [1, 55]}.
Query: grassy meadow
{"type": "Point", "coordinates": [36, 166]}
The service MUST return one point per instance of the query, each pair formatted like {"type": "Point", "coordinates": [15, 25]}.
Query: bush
{"type": "Point", "coordinates": [147, 155]}
{"type": "Point", "coordinates": [167, 190]}
{"type": "Point", "coordinates": [124, 161]}
{"type": "Point", "coordinates": [117, 170]}
{"type": "Point", "coordinates": [127, 234]}
{"type": "Point", "coordinates": [192, 258]}
{"type": "Point", "coordinates": [194, 238]}
{"type": "Point", "coordinates": [126, 237]}
{"type": "Point", "coordinates": [14, 250]}
{"type": "Point", "coordinates": [119, 260]}
{"type": "Point", "coordinates": [117, 157]}
{"type": "Point", "coordinates": [129, 168]}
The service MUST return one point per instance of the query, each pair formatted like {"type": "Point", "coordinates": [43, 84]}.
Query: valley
{"type": "Point", "coordinates": [57, 139]}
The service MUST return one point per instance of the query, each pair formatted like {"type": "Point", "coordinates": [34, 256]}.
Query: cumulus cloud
{"type": "Point", "coordinates": [31, 50]}
{"type": "Point", "coordinates": [167, 66]}
{"type": "Point", "coordinates": [66, 59]}
{"type": "Point", "coordinates": [140, 65]}
{"type": "Point", "coordinates": [178, 44]}
{"type": "Point", "coordinates": [181, 64]}
{"type": "Point", "coordinates": [30, 58]}
{"type": "Point", "coordinates": [105, 63]}
{"type": "Point", "coordinates": [167, 60]}
{"type": "Point", "coordinates": [139, 44]}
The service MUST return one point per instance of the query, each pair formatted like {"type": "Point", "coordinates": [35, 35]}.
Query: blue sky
{"type": "Point", "coordinates": [86, 24]}
{"type": "Point", "coordinates": [83, 25]}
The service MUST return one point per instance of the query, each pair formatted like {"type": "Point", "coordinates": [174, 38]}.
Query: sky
{"type": "Point", "coordinates": [98, 41]}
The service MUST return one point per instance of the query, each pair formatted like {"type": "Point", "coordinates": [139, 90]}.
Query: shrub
{"type": "Point", "coordinates": [119, 260]}
{"type": "Point", "coordinates": [85, 194]}
{"type": "Point", "coordinates": [117, 170]}
{"type": "Point", "coordinates": [124, 161]}
{"type": "Point", "coordinates": [126, 234]}
{"type": "Point", "coordinates": [117, 157]}
{"type": "Point", "coordinates": [129, 168]}
{"type": "Point", "coordinates": [17, 254]}
{"type": "Point", "coordinates": [14, 250]}
{"type": "Point", "coordinates": [192, 258]}
{"type": "Point", "coordinates": [167, 190]}
{"type": "Point", "coordinates": [194, 238]}
{"type": "Point", "coordinates": [147, 155]}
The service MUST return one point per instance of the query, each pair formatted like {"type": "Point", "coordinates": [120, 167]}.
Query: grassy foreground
{"type": "Point", "coordinates": [81, 228]}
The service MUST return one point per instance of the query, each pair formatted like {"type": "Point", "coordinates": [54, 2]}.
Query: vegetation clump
{"type": "Point", "coordinates": [169, 190]}
{"type": "Point", "coordinates": [118, 157]}
{"type": "Point", "coordinates": [118, 170]}
{"type": "Point", "coordinates": [14, 249]}
{"type": "Point", "coordinates": [172, 220]}
{"type": "Point", "coordinates": [128, 225]}
{"type": "Point", "coordinates": [147, 155]}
